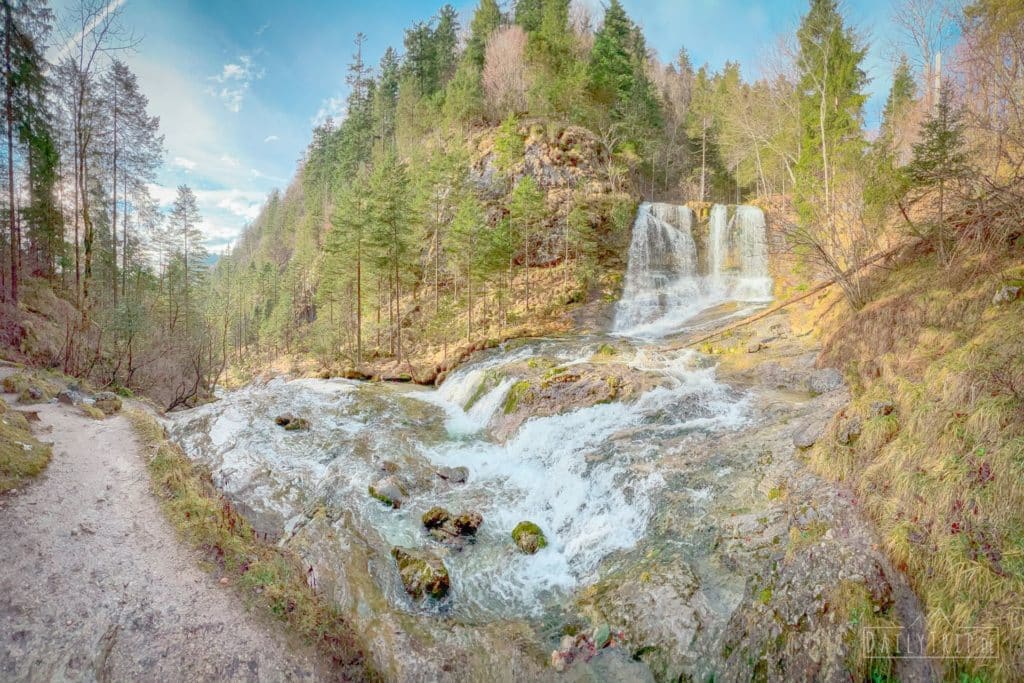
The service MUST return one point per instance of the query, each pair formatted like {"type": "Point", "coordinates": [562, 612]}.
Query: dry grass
{"type": "Point", "coordinates": [943, 476]}
{"type": "Point", "coordinates": [271, 578]}
{"type": "Point", "coordinates": [21, 455]}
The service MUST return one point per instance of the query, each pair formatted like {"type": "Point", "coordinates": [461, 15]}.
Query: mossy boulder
{"type": "Point", "coordinates": [390, 491]}
{"type": "Point", "coordinates": [529, 537]}
{"type": "Point", "coordinates": [422, 573]}
{"type": "Point", "coordinates": [451, 529]}
{"type": "Point", "coordinates": [435, 517]}
{"type": "Point", "coordinates": [297, 424]}
{"type": "Point", "coordinates": [108, 402]}
{"type": "Point", "coordinates": [30, 388]}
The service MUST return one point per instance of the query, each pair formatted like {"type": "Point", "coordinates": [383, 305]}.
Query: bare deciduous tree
{"type": "Point", "coordinates": [505, 77]}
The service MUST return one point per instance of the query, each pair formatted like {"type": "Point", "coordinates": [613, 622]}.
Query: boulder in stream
{"type": "Point", "coordinates": [422, 573]}
{"type": "Point", "coordinates": [455, 475]}
{"type": "Point", "coordinates": [389, 490]}
{"type": "Point", "coordinates": [297, 424]}
{"type": "Point", "coordinates": [448, 528]}
{"type": "Point", "coordinates": [529, 537]}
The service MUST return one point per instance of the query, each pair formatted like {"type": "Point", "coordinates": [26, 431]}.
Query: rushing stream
{"type": "Point", "coordinates": [588, 476]}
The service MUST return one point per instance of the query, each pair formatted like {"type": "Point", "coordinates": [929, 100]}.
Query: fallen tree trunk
{"type": "Point", "coordinates": [789, 302]}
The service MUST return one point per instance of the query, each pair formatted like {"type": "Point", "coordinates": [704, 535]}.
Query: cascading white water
{"type": "Point", "coordinates": [663, 287]}
{"type": "Point", "coordinates": [753, 283]}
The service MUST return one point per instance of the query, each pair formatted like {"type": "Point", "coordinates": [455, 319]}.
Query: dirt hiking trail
{"type": "Point", "coordinates": [95, 584]}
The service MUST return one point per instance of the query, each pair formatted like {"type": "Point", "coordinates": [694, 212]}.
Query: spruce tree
{"type": "Point", "coordinates": [940, 159]}
{"type": "Point", "coordinates": [831, 103]}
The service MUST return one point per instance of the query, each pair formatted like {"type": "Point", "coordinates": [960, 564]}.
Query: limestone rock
{"type": "Point", "coordinates": [455, 475]}
{"type": "Point", "coordinates": [108, 402]}
{"type": "Point", "coordinates": [390, 490]}
{"type": "Point", "coordinates": [849, 430]}
{"type": "Point", "coordinates": [825, 380]}
{"type": "Point", "coordinates": [422, 573]}
{"type": "Point", "coordinates": [882, 408]}
{"type": "Point", "coordinates": [1006, 294]}
{"type": "Point", "coordinates": [807, 434]}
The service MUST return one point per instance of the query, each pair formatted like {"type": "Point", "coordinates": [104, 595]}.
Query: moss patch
{"type": "Point", "coordinates": [273, 578]}
{"type": "Point", "coordinates": [30, 387]}
{"type": "Point", "coordinates": [519, 393]}
{"type": "Point", "coordinates": [21, 455]}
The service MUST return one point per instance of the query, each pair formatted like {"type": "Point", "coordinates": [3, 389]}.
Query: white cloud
{"type": "Point", "coordinates": [271, 138]}
{"type": "Point", "coordinates": [233, 81]}
{"type": "Point", "coordinates": [184, 162]}
{"type": "Point", "coordinates": [229, 160]}
{"type": "Point", "coordinates": [262, 29]}
{"type": "Point", "coordinates": [331, 108]}
{"type": "Point", "coordinates": [259, 174]}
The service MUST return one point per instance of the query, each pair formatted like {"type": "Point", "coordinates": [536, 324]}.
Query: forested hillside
{"type": "Point", "coordinates": [465, 179]}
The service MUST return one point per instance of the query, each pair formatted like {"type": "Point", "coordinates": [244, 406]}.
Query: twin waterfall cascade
{"type": "Point", "coordinates": [674, 275]}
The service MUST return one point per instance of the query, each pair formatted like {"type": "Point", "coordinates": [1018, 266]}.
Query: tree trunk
{"type": "Point", "coordinates": [9, 88]}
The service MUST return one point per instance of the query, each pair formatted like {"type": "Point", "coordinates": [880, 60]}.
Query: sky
{"type": "Point", "coordinates": [238, 86]}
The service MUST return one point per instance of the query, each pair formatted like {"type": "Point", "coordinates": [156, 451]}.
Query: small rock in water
{"type": "Point", "coordinates": [1007, 294]}
{"type": "Point", "coordinates": [389, 466]}
{"type": "Point", "coordinates": [529, 537]}
{"type": "Point", "coordinates": [435, 517]}
{"type": "Point", "coordinates": [808, 434]}
{"type": "Point", "coordinates": [389, 491]}
{"type": "Point", "coordinates": [468, 522]}
{"type": "Point", "coordinates": [283, 419]}
{"type": "Point", "coordinates": [882, 408]}
{"type": "Point", "coordinates": [825, 380]}
{"type": "Point", "coordinates": [422, 573]}
{"type": "Point", "coordinates": [297, 424]}
{"type": "Point", "coordinates": [445, 527]}
{"type": "Point", "coordinates": [456, 475]}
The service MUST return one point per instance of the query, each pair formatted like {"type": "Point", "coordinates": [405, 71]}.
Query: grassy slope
{"type": "Point", "coordinates": [272, 578]}
{"type": "Point", "coordinates": [942, 475]}
{"type": "Point", "coordinates": [21, 455]}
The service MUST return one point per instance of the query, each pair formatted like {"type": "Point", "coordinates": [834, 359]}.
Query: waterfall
{"type": "Point", "coordinates": [753, 283]}
{"type": "Point", "coordinates": [718, 240]}
{"type": "Point", "coordinates": [664, 286]}
{"type": "Point", "coordinates": [662, 272]}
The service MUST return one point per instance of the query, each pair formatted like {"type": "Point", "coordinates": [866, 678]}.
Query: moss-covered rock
{"type": "Point", "coordinates": [390, 491]}
{"type": "Point", "coordinates": [435, 517]}
{"type": "Point", "coordinates": [519, 393]}
{"type": "Point", "coordinates": [529, 537]}
{"type": "Point", "coordinates": [297, 424]}
{"type": "Point", "coordinates": [108, 402]}
{"type": "Point", "coordinates": [422, 573]}
{"type": "Point", "coordinates": [30, 388]}
{"type": "Point", "coordinates": [21, 455]}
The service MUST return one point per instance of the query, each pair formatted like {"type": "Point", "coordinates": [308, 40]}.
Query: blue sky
{"type": "Point", "coordinates": [239, 85]}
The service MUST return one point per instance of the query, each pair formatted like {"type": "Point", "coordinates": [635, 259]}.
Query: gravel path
{"type": "Point", "coordinates": [95, 585]}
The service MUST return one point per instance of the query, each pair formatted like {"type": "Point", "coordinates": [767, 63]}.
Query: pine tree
{"type": "Point", "coordinates": [191, 251]}
{"type": "Point", "coordinates": [526, 212]}
{"type": "Point", "coordinates": [831, 103]}
{"type": "Point", "coordinates": [486, 20]}
{"type": "Point", "coordinates": [391, 221]}
{"type": "Point", "coordinates": [617, 78]}
{"type": "Point", "coordinates": [940, 159]}
{"type": "Point", "coordinates": [26, 23]}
